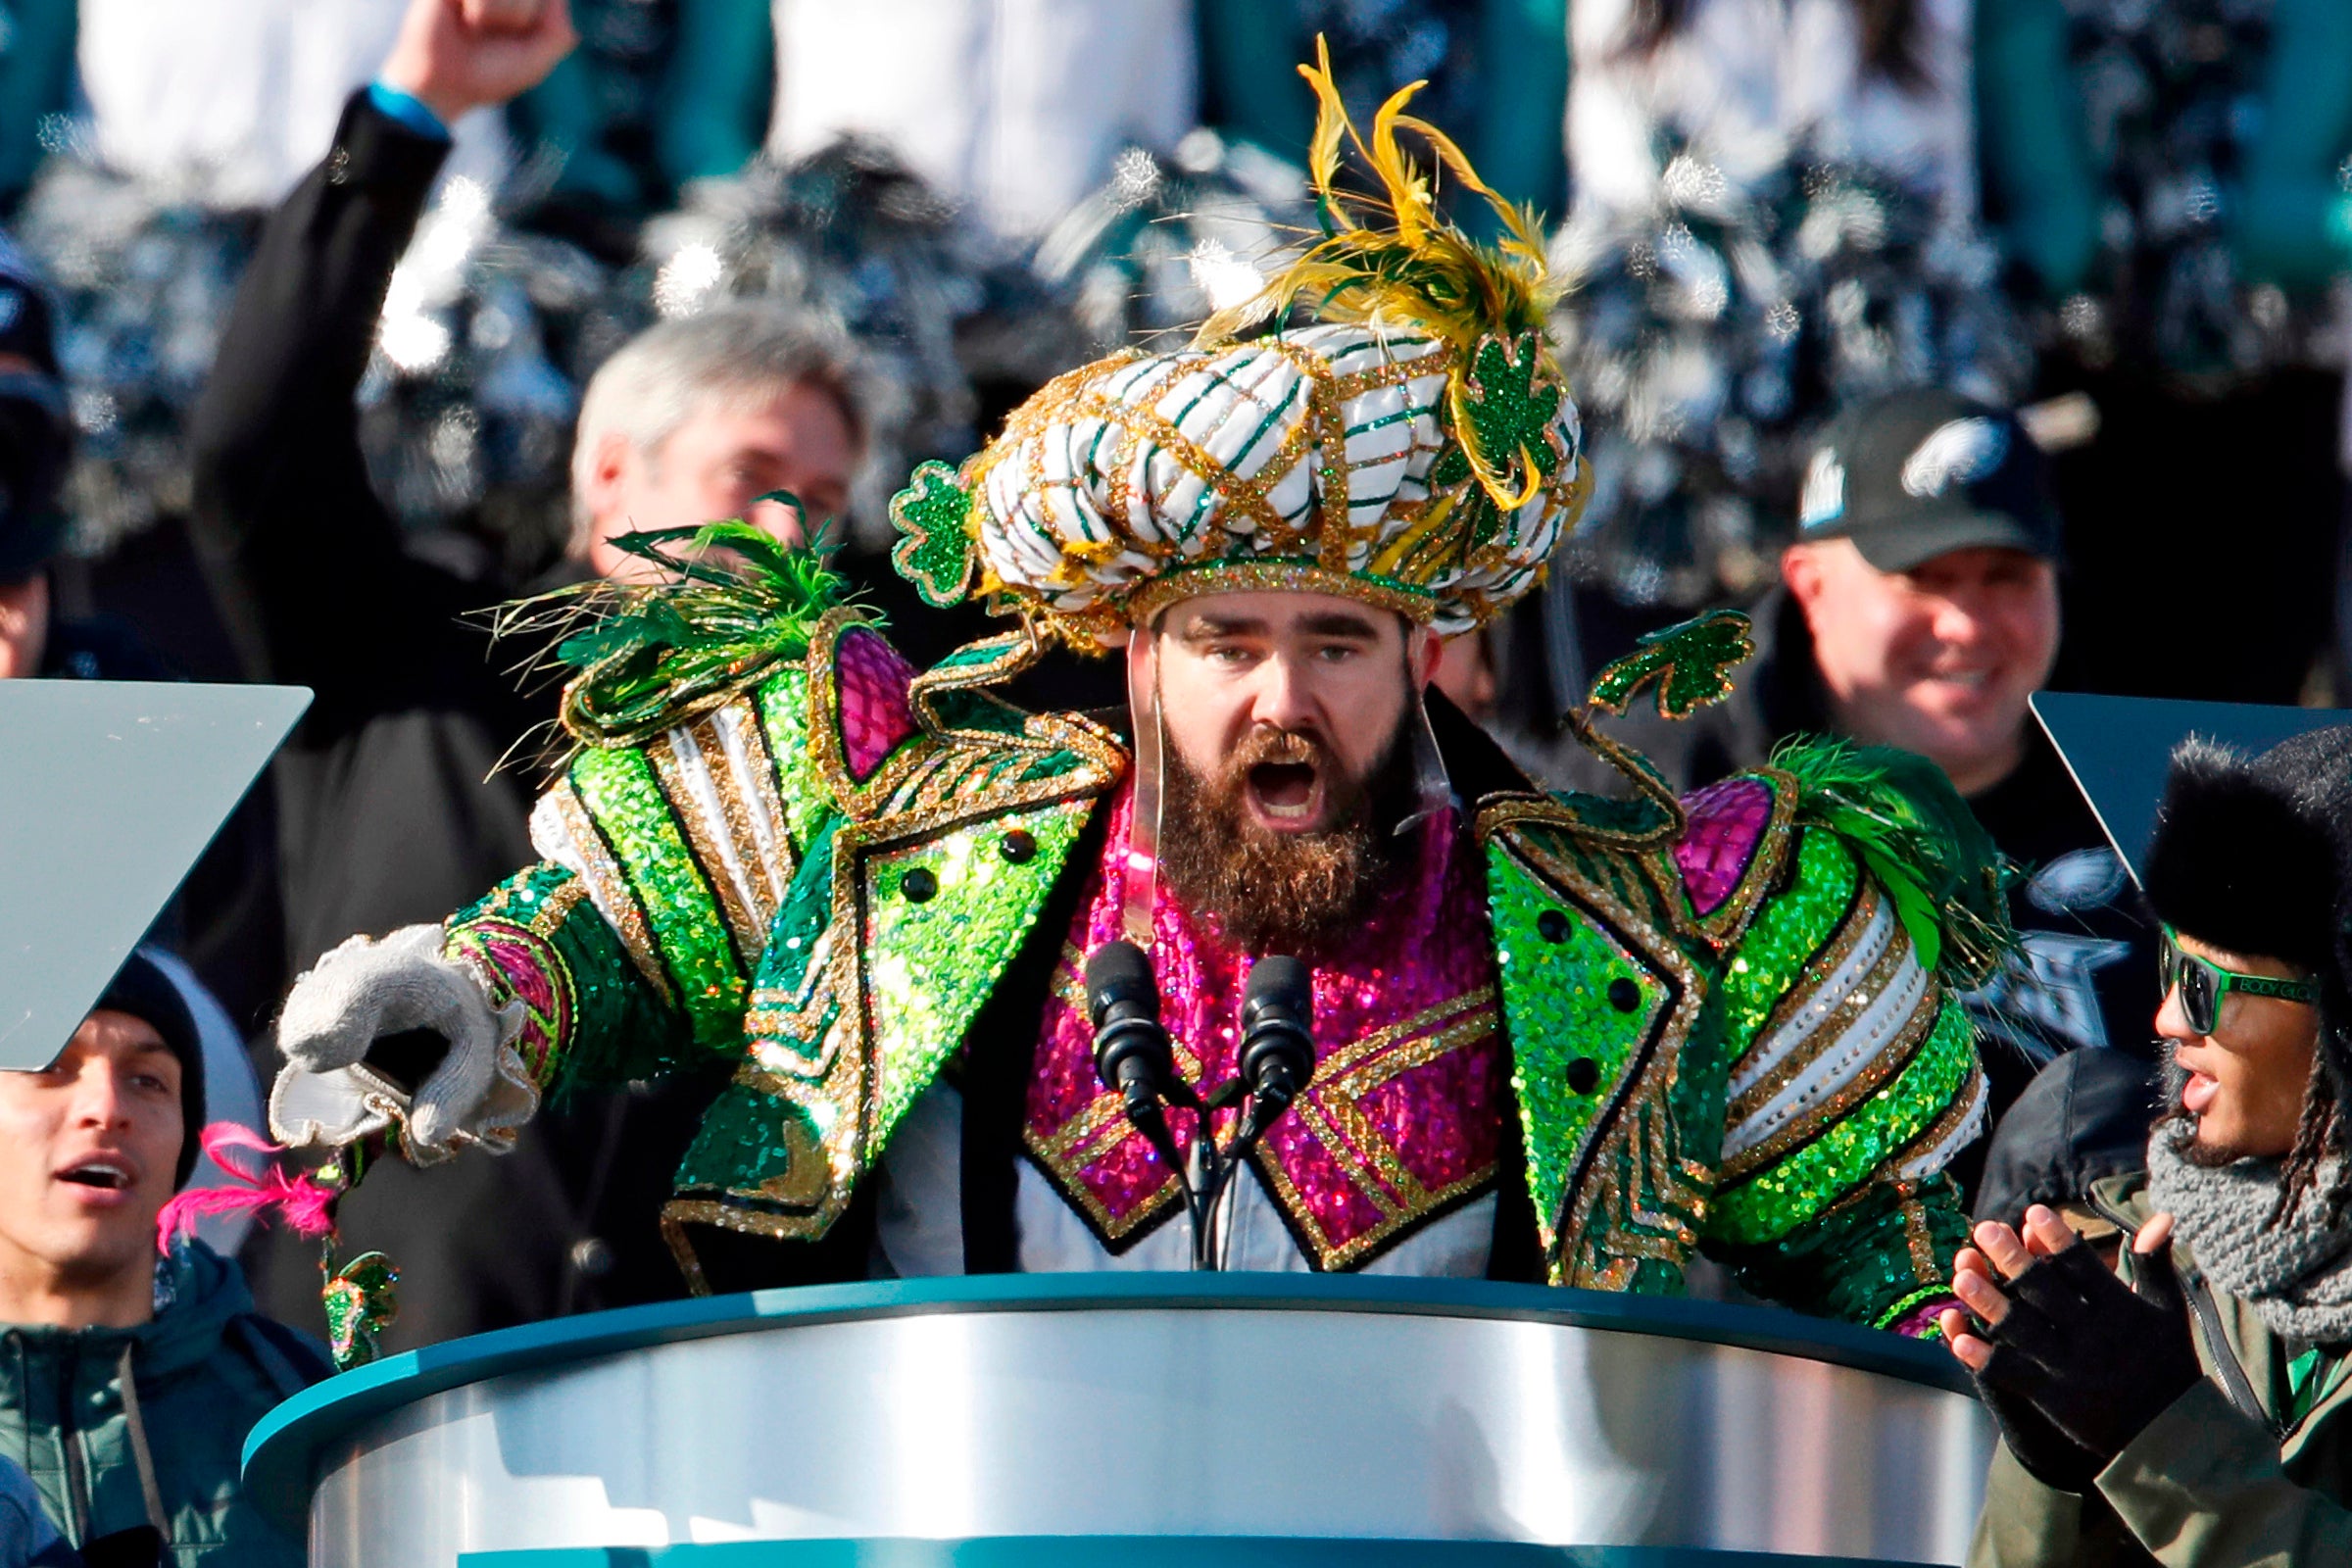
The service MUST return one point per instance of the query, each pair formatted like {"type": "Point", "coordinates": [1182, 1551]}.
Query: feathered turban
{"type": "Point", "coordinates": [1416, 448]}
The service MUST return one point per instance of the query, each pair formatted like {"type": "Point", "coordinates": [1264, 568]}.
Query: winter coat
{"type": "Point", "coordinates": [146, 1425]}
{"type": "Point", "coordinates": [2237, 1471]}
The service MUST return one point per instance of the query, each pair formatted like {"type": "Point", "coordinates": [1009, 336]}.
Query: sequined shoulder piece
{"type": "Point", "coordinates": [1731, 852]}
{"type": "Point", "coordinates": [863, 735]}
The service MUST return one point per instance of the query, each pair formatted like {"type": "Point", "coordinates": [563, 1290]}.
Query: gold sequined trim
{"type": "Point", "coordinates": [675, 757]}
{"type": "Point", "coordinates": [615, 899]}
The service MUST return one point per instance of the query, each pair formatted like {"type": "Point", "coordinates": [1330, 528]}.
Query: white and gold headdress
{"type": "Point", "coordinates": [1416, 448]}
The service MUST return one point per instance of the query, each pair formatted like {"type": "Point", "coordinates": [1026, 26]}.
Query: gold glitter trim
{"type": "Point", "coordinates": [1815, 1120]}
{"type": "Point", "coordinates": [615, 899]}
{"type": "Point", "coordinates": [765, 878]}
{"type": "Point", "coordinates": [1331, 1110]}
{"type": "Point", "coordinates": [1812, 975]}
{"type": "Point", "coordinates": [1536, 808]}
{"type": "Point", "coordinates": [672, 765]}
{"type": "Point", "coordinates": [767, 800]}
{"type": "Point", "coordinates": [1155, 594]}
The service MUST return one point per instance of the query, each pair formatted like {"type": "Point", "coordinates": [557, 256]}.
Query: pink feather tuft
{"type": "Point", "coordinates": [300, 1201]}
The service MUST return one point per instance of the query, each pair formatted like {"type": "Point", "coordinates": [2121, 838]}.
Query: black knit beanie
{"type": "Point", "coordinates": [141, 989]}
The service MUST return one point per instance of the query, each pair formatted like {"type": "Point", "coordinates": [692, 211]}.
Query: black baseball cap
{"type": "Point", "coordinates": [1912, 475]}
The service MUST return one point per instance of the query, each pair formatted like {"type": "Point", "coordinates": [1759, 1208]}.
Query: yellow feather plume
{"type": "Point", "coordinates": [1390, 260]}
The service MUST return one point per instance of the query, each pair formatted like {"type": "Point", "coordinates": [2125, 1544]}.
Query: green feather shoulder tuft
{"type": "Point", "coordinates": [645, 656]}
{"type": "Point", "coordinates": [1900, 814]}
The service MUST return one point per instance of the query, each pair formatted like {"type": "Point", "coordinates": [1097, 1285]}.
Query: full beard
{"type": "Point", "coordinates": [1269, 892]}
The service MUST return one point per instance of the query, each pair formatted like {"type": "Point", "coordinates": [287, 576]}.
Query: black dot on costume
{"type": "Point", "coordinates": [1018, 847]}
{"type": "Point", "coordinates": [1584, 1074]}
{"type": "Point", "coordinates": [1624, 995]}
{"type": "Point", "coordinates": [919, 885]}
{"type": "Point", "coordinates": [1553, 925]}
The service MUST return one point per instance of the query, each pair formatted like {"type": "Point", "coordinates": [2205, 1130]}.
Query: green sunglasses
{"type": "Point", "coordinates": [2203, 984]}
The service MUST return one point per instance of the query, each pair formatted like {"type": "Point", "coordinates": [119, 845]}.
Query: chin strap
{"type": "Point", "coordinates": [1140, 874]}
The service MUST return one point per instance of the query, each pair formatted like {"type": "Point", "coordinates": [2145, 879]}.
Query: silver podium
{"type": "Point", "coordinates": [1139, 1419]}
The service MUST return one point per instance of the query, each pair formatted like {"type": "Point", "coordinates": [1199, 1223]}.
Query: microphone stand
{"type": "Point", "coordinates": [1133, 1055]}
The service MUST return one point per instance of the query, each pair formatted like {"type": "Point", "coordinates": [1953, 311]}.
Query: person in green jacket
{"type": "Point", "coordinates": [2188, 1409]}
{"type": "Point", "coordinates": [126, 1387]}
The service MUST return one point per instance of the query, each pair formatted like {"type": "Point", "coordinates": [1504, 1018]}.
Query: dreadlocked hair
{"type": "Point", "coordinates": [2318, 1133]}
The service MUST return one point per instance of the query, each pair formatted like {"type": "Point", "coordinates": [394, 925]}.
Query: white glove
{"type": "Point", "coordinates": [365, 990]}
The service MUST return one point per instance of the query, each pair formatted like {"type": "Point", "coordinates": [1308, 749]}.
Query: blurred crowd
{"type": "Point", "coordinates": [1976, 348]}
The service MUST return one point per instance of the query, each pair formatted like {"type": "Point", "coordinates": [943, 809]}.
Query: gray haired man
{"type": "Point", "coordinates": [390, 809]}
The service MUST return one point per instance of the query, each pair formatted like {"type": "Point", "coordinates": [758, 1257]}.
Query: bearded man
{"type": "Point", "coordinates": [1558, 1036]}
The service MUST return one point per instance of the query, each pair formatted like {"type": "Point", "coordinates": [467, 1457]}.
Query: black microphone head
{"type": "Point", "coordinates": [1278, 1037]}
{"type": "Point", "coordinates": [1118, 974]}
{"type": "Point", "coordinates": [1281, 984]}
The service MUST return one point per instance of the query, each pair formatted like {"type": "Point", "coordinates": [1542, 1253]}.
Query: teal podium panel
{"type": "Point", "coordinates": [1139, 1419]}
{"type": "Point", "coordinates": [109, 791]}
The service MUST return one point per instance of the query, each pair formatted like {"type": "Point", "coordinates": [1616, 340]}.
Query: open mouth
{"type": "Point", "coordinates": [1286, 791]}
{"type": "Point", "coordinates": [104, 1175]}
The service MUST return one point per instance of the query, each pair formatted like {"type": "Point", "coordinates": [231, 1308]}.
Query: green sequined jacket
{"type": "Point", "coordinates": [1722, 1034]}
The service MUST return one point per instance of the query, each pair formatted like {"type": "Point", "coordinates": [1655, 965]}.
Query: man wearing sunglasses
{"type": "Point", "coordinates": [2192, 1410]}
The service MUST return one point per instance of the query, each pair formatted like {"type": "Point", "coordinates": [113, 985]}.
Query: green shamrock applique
{"type": "Point", "coordinates": [934, 512]}
{"type": "Point", "coordinates": [1510, 406]}
{"type": "Point", "coordinates": [361, 1300]}
{"type": "Point", "coordinates": [1690, 663]}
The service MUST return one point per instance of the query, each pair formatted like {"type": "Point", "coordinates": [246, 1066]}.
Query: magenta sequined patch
{"type": "Point", "coordinates": [1726, 822]}
{"type": "Point", "coordinates": [1404, 1114]}
{"type": "Point", "coordinates": [870, 677]}
{"type": "Point", "coordinates": [530, 971]}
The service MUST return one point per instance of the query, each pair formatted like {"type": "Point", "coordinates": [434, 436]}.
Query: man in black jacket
{"type": "Point", "coordinates": [389, 808]}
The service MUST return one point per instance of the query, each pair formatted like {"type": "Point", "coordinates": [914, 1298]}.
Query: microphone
{"type": "Point", "coordinates": [1278, 1042]}
{"type": "Point", "coordinates": [1132, 1053]}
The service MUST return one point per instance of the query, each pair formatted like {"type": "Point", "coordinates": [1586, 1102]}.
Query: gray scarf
{"type": "Point", "coordinates": [2297, 1274]}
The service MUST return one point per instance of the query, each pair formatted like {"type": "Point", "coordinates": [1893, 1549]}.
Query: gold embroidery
{"type": "Point", "coordinates": [614, 899]}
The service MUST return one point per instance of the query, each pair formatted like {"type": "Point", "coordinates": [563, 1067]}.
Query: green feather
{"type": "Point", "coordinates": [1902, 818]}
{"type": "Point", "coordinates": [645, 656]}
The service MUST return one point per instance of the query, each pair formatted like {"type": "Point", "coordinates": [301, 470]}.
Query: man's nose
{"type": "Point", "coordinates": [1959, 622]}
{"type": "Point", "coordinates": [1283, 699]}
{"type": "Point", "coordinates": [98, 1098]}
{"type": "Point", "coordinates": [2171, 1018]}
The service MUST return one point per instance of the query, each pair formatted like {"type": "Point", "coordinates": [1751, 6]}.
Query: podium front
{"type": "Point", "coordinates": [1145, 1420]}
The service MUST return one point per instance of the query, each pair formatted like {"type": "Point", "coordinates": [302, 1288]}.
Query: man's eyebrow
{"type": "Point", "coordinates": [1204, 627]}
{"type": "Point", "coordinates": [1339, 623]}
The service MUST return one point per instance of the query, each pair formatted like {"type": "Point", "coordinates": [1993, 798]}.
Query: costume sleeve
{"type": "Point", "coordinates": [634, 943]}
{"type": "Point", "coordinates": [2202, 1487]}
{"type": "Point", "coordinates": [1853, 1079]}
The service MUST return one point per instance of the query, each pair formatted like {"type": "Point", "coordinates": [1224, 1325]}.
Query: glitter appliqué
{"type": "Point", "coordinates": [1727, 823]}
{"type": "Point", "coordinates": [1596, 1077]}
{"type": "Point", "coordinates": [934, 512]}
{"type": "Point", "coordinates": [1402, 1120]}
{"type": "Point", "coordinates": [863, 739]}
{"type": "Point", "coordinates": [863, 993]}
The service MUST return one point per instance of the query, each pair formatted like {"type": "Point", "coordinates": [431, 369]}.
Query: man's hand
{"type": "Point", "coordinates": [455, 56]}
{"type": "Point", "coordinates": [2073, 1364]}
